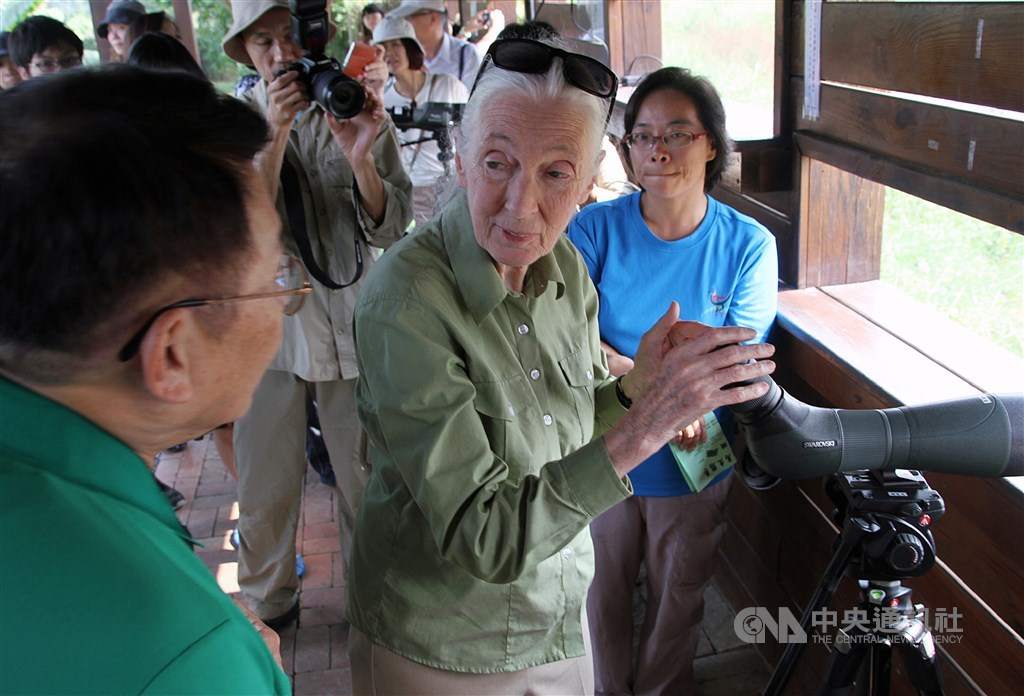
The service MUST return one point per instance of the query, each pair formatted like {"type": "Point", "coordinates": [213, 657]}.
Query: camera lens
{"type": "Point", "coordinates": [342, 96]}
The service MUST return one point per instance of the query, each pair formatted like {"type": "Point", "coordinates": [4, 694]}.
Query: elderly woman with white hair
{"type": "Point", "coordinates": [497, 433]}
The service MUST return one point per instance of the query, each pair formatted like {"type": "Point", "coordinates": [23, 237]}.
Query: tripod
{"type": "Point", "coordinates": [884, 517]}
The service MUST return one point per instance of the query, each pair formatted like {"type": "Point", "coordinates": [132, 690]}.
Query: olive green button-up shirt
{"type": "Point", "coordinates": [317, 343]}
{"type": "Point", "coordinates": [472, 547]}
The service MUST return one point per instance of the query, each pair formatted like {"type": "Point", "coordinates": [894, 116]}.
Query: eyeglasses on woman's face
{"type": "Point", "coordinates": [291, 278]}
{"type": "Point", "coordinates": [535, 58]}
{"type": "Point", "coordinates": [674, 140]}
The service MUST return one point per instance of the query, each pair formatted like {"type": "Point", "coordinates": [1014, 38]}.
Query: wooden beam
{"type": "Point", "coordinates": [840, 226]}
{"type": "Point", "coordinates": [98, 9]}
{"type": "Point", "coordinates": [966, 197]}
{"type": "Point", "coordinates": [984, 151]}
{"type": "Point", "coordinates": [183, 18]}
{"type": "Point", "coordinates": [965, 52]}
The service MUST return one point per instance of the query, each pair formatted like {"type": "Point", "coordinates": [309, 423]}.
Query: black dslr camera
{"type": "Point", "coordinates": [328, 85]}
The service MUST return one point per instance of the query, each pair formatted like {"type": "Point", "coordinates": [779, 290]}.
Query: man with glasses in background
{"type": "Point", "coordinates": [42, 45]}
{"type": "Point", "coordinates": [443, 52]}
{"type": "Point", "coordinates": [144, 293]}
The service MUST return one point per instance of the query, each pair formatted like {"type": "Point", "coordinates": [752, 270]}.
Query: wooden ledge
{"type": "Point", "coordinates": [907, 352]}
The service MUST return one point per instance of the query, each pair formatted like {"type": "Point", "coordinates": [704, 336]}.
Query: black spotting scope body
{"type": "Point", "coordinates": [979, 435]}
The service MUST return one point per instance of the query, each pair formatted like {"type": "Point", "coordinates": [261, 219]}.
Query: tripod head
{"type": "Point", "coordinates": [436, 119]}
{"type": "Point", "coordinates": [886, 516]}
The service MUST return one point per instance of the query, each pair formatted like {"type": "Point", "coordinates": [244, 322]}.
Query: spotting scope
{"type": "Point", "coordinates": [980, 435]}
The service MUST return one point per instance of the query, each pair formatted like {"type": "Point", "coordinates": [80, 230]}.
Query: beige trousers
{"type": "Point", "coordinates": [377, 671]}
{"type": "Point", "coordinates": [270, 454]}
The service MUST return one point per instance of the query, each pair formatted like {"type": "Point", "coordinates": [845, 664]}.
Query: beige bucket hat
{"type": "Point", "coordinates": [245, 13]}
{"type": "Point", "coordinates": [391, 28]}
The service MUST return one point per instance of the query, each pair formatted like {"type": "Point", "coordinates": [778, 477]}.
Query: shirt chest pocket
{"type": "Point", "coordinates": [578, 371]}
{"type": "Point", "coordinates": [334, 174]}
{"type": "Point", "coordinates": [508, 413]}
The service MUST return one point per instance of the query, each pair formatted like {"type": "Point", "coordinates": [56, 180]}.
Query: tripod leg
{"type": "Point", "coordinates": [826, 588]}
{"type": "Point", "coordinates": [922, 665]}
{"type": "Point", "coordinates": [879, 670]}
{"type": "Point", "coordinates": [843, 665]}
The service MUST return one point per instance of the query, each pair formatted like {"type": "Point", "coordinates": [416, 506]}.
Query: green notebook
{"type": "Point", "coordinates": [702, 465]}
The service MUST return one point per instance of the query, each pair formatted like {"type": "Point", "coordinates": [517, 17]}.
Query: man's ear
{"type": "Point", "coordinates": [23, 72]}
{"type": "Point", "coordinates": [166, 354]}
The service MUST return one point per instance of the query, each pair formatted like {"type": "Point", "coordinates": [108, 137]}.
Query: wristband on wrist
{"type": "Point", "coordinates": [623, 399]}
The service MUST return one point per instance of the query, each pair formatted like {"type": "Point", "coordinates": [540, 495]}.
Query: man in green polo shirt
{"type": "Point", "coordinates": [143, 292]}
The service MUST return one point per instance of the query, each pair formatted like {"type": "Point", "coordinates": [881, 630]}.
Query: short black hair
{"type": "Point", "coordinates": [709, 108]}
{"type": "Point", "coordinates": [92, 233]}
{"type": "Point", "coordinates": [38, 33]}
{"type": "Point", "coordinates": [413, 54]}
{"type": "Point", "coordinates": [159, 51]}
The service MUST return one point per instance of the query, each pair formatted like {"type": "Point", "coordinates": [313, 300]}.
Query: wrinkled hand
{"type": "Point", "coordinates": [286, 98]}
{"type": "Point", "coordinates": [650, 354]}
{"type": "Point", "coordinates": [684, 371]}
{"type": "Point", "coordinates": [356, 135]}
{"type": "Point", "coordinates": [700, 361]}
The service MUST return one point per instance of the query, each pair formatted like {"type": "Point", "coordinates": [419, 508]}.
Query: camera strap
{"type": "Point", "coordinates": [297, 222]}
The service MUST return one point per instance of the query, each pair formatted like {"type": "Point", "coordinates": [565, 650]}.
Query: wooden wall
{"type": "Point", "coordinates": [927, 98]}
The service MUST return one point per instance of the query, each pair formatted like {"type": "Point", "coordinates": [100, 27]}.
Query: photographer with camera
{"type": "Point", "coordinates": [340, 188]}
{"type": "Point", "coordinates": [410, 85]}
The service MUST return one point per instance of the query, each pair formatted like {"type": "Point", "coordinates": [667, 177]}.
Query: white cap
{"type": "Point", "coordinates": [410, 7]}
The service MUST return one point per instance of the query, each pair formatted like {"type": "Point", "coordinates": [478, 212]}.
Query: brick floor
{"type": "Point", "coordinates": [315, 653]}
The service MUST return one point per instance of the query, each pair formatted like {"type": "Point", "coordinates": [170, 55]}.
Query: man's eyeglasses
{"type": "Point", "coordinates": [49, 66]}
{"type": "Point", "coordinates": [676, 140]}
{"type": "Point", "coordinates": [291, 278]}
{"type": "Point", "coordinates": [534, 58]}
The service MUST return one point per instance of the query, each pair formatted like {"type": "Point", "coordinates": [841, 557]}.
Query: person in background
{"type": "Point", "coordinates": [497, 432]}
{"type": "Point", "coordinates": [443, 52]}
{"type": "Point", "coordinates": [341, 187]}
{"type": "Point", "coordinates": [370, 17]}
{"type": "Point", "coordinates": [157, 50]}
{"type": "Point", "coordinates": [411, 85]}
{"type": "Point", "coordinates": [9, 75]}
{"type": "Point", "coordinates": [165, 310]}
{"type": "Point", "coordinates": [482, 29]}
{"type": "Point", "coordinates": [116, 26]}
{"type": "Point", "coordinates": [721, 267]}
{"type": "Point", "coordinates": [41, 45]}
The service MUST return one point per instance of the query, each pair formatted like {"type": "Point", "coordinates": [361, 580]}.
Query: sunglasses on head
{"type": "Point", "coordinates": [535, 58]}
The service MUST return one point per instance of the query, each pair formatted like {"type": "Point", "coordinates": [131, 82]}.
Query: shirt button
{"type": "Point", "coordinates": [548, 420]}
{"type": "Point", "coordinates": [523, 329]}
{"type": "Point", "coordinates": [590, 374]}
{"type": "Point", "coordinates": [567, 552]}
{"type": "Point", "coordinates": [535, 374]}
